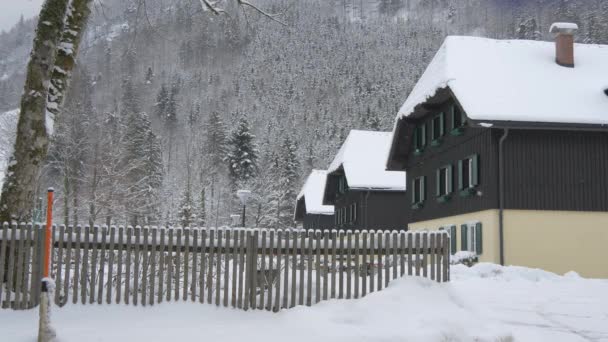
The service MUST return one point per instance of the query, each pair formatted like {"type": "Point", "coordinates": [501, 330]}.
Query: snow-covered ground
{"type": "Point", "coordinates": [483, 303]}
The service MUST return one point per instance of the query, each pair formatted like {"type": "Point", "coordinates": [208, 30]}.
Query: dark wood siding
{"type": "Point", "coordinates": [481, 141]}
{"type": "Point", "coordinates": [556, 170]}
{"type": "Point", "coordinates": [378, 210]}
{"type": "Point", "coordinates": [316, 221]}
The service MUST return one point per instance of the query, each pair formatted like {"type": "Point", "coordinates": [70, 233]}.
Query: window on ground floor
{"type": "Point", "coordinates": [471, 238]}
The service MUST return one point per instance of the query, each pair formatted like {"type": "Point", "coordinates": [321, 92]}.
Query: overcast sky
{"type": "Point", "coordinates": [11, 11]}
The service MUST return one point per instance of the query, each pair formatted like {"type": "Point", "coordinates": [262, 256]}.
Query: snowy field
{"type": "Point", "coordinates": [484, 303]}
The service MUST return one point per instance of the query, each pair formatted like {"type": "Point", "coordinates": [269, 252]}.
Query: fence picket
{"type": "Point", "coordinates": [294, 254]}
{"type": "Point", "coordinates": [365, 266]}
{"type": "Point", "coordinates": [418, 254]}
{"type": "Point", "coordinates": [39, 260]}
{"type": "Point", "coordinates": [102, 262]}
{"type": "Point", "coordinates": [424, 254]}
{"type": "Point", "coordinates": [277, 299]}
{"type": "Point", "coordinates": [128, 248]}
{"type": "Point", "coordinates": [432, 254]}
{"type": "Point", "coordinates": [285, 274]}
{"type": "Point", "coordinates": [186, 263]}
{"type": "Point", "coordinates": [84, 277]}
{"type": "Point", "coordinates": [93, 272]}
{"type": "Point", "coordinates": [235, 256]}
{"type": "Point", "coordinates": [169, 262]}
{"type": "Point", "coordinates": [195, 254]}
{"type": "Point", "coordinates": [357, 255]}
{"type": "Point", "coordinates": [119, 256]}
{"type": "Point", "coordinates": [177, 264]}
{"type": "Point", "coordinates": [410, 262]}
{"type": "Point", "coordinates": [241, 265]}
{"type": "Point", "coordinates": [20, 267]}
{"type": "Point", "coordinates": [25, 303]}
{"type": "Point", "coordinates": [394, 247]}
{"type": "Point", "coordinates": [334, 239]}
{"type": "Point", "coordinates": [137, 259]}
{"type": "Point", "coordinates": [446, 257]}
{"type": "Point", "coordinates": [402, 253]}
{"type": "Point", "coordinates": [271, 274]}
{"type": "Point", "coordinates": [309, 265]}
{"type": "Point", "coordinates": [341, 266]}
{"type": "Point", "coordinates": [325, 264]}
{"type": "Point", "coordinates": [381, 263]}
{"type": "Point", "coordinates": [211, 264]}
{"type": "Point", "coordinates": [317, 235]}
{"type": "Point", "coordinates": [152, 265]}
{"type": "Point", "coordinates": [387, 255]}
{"type": "Point", "coordinates": [3, 255]}
{"type": "Point", "coordinates": [144, 267]}
{"type": "Point", "coordinates": [218, 267]}
{"type": "Point", "coordinates": [11, 267]}
{"type": "Point", "coordinates": [78, 240]}
{"type": "Point", "coordinates": [254, 270]}
{"type": "Point", "coordinates": [372, 265]}
{"type": "Point", "coordinates": [161, 266]}
{"type": "Point", "coordinates": [226, 265]}
{"type": "Point", "coordinates": [348, 264]}
{"type": "Point", "coordinates": [249, 261]}
{"type": "Point", "coordinates": [111, 252]}
{"type": "Point", "coordinates": [301, 268]}
{"type": "Point", "coordinates": [263, 270]}
{"type": "Point", "coordinates": [201, 288]}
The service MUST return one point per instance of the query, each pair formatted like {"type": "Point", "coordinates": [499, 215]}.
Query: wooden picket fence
{"type": "Point", "coordinates": [241, 268]}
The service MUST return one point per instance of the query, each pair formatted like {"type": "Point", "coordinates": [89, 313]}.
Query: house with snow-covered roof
{"type": "Point", "coordinates": [365, 195]}
{"type": "Point", "coordinates": [310, 210]}
{"type": "Point", "coordinates": [505, 144]}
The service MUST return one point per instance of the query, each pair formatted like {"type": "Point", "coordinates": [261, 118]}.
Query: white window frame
{"type": "Point", "coordinates": [471, 241]}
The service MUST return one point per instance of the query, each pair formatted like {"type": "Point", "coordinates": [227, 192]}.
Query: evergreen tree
{"type": "Point", "coordinates": [289, 171]}
{"type": "Point", "coordinates": [144, 169]}
{"type": "Point", "coordinates": [162, 102]}
{"type": "Point", "coordinates": [149, 76]}
{"type": "Point", "coordinates": [186, 213]}
{"type": "Point", "coordinates": [242, 156]}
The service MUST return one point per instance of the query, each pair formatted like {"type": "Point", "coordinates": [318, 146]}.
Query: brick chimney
{"type": "Point", "coordinates": [564, 43]}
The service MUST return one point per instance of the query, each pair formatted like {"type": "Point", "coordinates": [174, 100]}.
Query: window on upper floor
{"type": "Point", "coordinates": [443, 182]}
{"type": "Point", "coordinates": [420, 138]}
{"type": "Point", "coordinates": [437, 129]}
{"type": "Point", "coordinates": [342, 185]}
{"type": "Point", "coordinates": [353, 213]}
{"type": "Point", "coordinates": [468, 174]}
{"type": "Point", "coordinates": [458, 120]}
{"type": "Point", "coordinates": [418, 192]}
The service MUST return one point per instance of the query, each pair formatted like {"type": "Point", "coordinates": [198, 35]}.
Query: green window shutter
{"type": "Point", "coordinates": [453, 239]}
{"type": "Point", "coordinates": [460, 175]}
{"type": "Point", "coordinates": [463, 238]}
{"type": "Point", "coordinates": [413, 190]}
{"type": "Point", "coordinates": [432, 128]}
{"type": "Point", "coordinates": [450, 178]}
{"type": "Point", "coordinates": [475, 170]}
{"type": "Point", "coordinates": [422, 188]}
{"type": "Point", "coordinates": [438, 182]}
{"type": "Point", "coordinates": [478, 238]}
{"type": "Point", "coordinates": [423, 134]}
{"type": "Point", "coordinates": [452, 126]}
{"type": "Point", "coordinates": [441, 124]}
{"type": "Point", "coordinates": [415, 137]}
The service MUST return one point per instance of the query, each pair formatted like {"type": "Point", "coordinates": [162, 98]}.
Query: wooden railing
{"type": "Point", "coordinates": [241, 268]}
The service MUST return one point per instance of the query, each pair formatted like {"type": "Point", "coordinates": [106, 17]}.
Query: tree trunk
{"type": "Point", "coordinates": [54, 51]}
{"type": "Point", "coordinates": [31, 144]}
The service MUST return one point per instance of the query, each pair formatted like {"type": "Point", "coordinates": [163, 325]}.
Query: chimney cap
{"type": "Point", "coordinates": [563, 28]}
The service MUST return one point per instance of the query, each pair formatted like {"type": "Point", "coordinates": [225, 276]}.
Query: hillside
{"type": "Point", "coordinates": [336, 66]}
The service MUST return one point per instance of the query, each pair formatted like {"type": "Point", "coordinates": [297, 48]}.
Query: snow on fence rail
{"type": "Point", "coordinates": [241, 268]}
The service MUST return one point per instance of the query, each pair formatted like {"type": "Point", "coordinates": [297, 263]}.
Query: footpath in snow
{"type": "Point", "coordinates": [483, 303]}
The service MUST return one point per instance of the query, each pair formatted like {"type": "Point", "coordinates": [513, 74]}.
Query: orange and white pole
{"type": "Point", "coordinates": [46, 333]}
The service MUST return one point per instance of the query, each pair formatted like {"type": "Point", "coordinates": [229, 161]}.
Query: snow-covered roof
{"type": "Point", "coordinates": [363, 156]}
{"type": "Point", "coordinates": [312, 192]}
{"type": "Point", "coordinates": [517, 80]}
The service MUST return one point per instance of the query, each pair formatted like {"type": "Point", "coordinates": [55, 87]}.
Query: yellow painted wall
{"type": "Point", "coordinates": [558, 241]}
{"type": "Point", "coordinates": [489, 221]}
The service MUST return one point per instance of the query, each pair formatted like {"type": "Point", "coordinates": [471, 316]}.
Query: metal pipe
{"type": "Point", "coordinates": [501, 195]}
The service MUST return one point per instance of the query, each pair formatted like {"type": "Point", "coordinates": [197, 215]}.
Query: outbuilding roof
{"type": "Point", "coordinates": [363, 158]}
{"type": "Point", "coordinates": [312, 193]}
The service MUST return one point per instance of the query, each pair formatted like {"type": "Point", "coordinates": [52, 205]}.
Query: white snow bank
{"type": "Point", "coordinates": [363, 157]}
{"type": "Point", "coordinates": [517, 80]}
{"type": "Point", "coordinates": [482, 303]}
{"type": "Point", "coordinates": [313, 191]}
